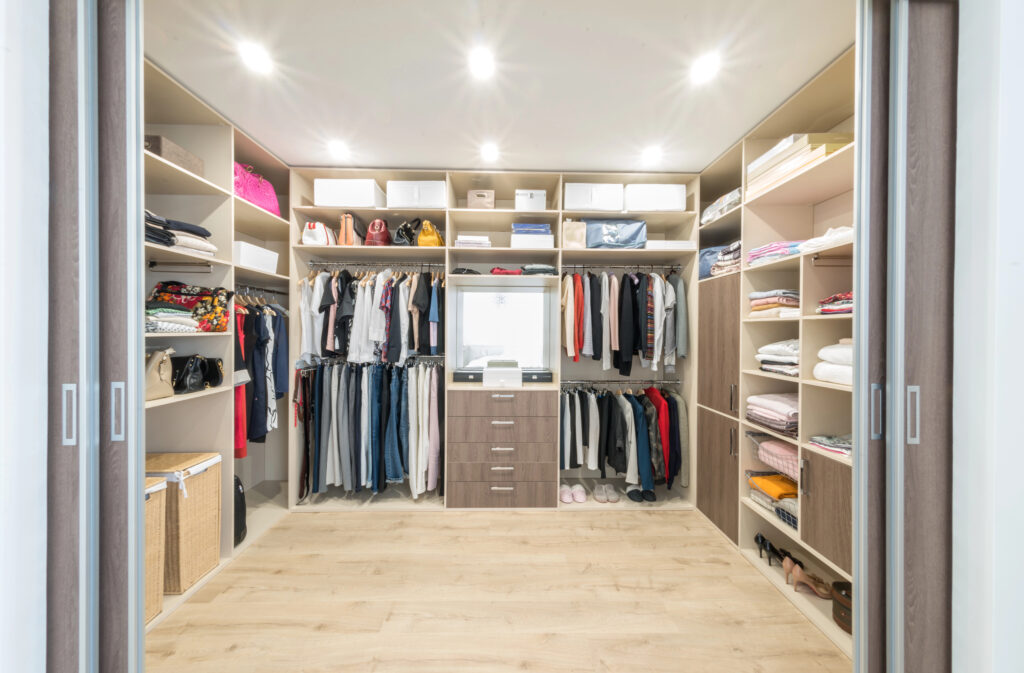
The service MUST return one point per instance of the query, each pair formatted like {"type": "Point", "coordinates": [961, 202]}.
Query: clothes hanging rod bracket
{"type": "Point", "coordinates": [201, 267]}
{"type": "Point", "coordinates": [832, 260]}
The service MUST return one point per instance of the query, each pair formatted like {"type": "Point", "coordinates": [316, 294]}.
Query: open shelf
{"type": "Point", "coordinates": [657, 220]}
{"type": "Point", "coordinates": [374, 253]}
{"type": "Point", "coordinates": [163, 177]}
{"type": "Point", "coordinates": [832, 316]}
{"type": "Point", "coordinates": [184, 335]}
{"type": "Point", "coordinates": [827, 177]}
{"type": "Point", "coordinates": [768, 431]}
{"type": "Point", "coordinates": [245, 275]}
{"type": "Point", "coordinates": [485, 279]}
{"type": "Point", "coordinates": [770, 517]}
{"type": "Point", "coordinates": [497, 255]}
{"type": "Point", "coordinates": [826, 384]}
{"type": "Point", "coordinates": [642, 256]}
{"type": "Point", "coordinates": [756, 321]}
{"type": "Point", "coordinates": [254, 221]}
{"type": "Point", "coordinates": [394, 216]}
{"type": "Point", "coordinates": [727, 221]}
{"type": "Point", "coordinates": [771, 375]}
{"type": "Point", "coordinates": [159, 253]}
{"type": "Point", "coordinates": [838, 457]}
{"type": "Point", "coordinates": [175, 399]}
{"type": "Point", "coordinates": [788, 263]}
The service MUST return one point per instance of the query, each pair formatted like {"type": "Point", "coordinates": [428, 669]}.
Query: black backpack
{"type": "Point", "coordinates": [240, 529]}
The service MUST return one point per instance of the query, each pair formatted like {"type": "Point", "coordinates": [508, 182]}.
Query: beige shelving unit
{"type": "Point", "coordinates": [805, 205]}
{"type": "Point", "coordinates": [204, 421]}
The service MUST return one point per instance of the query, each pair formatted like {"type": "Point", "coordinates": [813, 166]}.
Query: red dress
{"type": "Point", "coordinates": [241, 444]}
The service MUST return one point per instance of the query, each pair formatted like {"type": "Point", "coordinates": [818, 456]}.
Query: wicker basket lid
{"type": "Point", "coordinates": [164, 463]}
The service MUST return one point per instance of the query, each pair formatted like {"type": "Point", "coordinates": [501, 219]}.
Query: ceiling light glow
{"type": "Point", "coordinates": [651, 155]}
{"type": "Point", "coordinates": [338, 150]}
{"type": "Point", "coordinates": [255, 57]}
{"type": "Point", "coordinates": [705, 68]}
{"type": "Point", "coordinates": [489, 152]}
{"type": "Point", "coordinates": [481, 62]}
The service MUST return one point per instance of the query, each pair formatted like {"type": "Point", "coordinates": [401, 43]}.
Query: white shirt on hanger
{"type": "Point", "coordinates": [594, 431]}
{"type": "Point", "coordinates": [319, 285]}
{"type": "Point", "coordinates": [588, 329]}
{"type": "Point", "coordinates": [403, 299]}
{"type": "Point", "coordinates": [670, 327]}
{"type": "Point", "coordinates": [306, 345]}
{"type": "Point", "coordinates": [658, 290]}
{"type": "Point", "coordinates": [377, 325]}
{"type": "Point", "coordinates": [606, 339]}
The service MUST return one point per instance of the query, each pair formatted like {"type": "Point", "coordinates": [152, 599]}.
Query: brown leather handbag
{"type": "Point", "coordinates": [377, 233]}
{"type": "Point", "coordinates": [159, 374]}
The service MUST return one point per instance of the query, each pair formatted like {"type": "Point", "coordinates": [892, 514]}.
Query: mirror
{"type": "Point", "coordinates": [502, 324]}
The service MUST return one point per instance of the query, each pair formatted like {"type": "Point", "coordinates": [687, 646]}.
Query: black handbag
{"type": "Point", "coordinates": [240, 527]}
{"type": "Point", "coordinates": [214, 375]}
{"type": "Point", "coordinates": [406, 232]}
{"type": "Point", "coordinates": [189, 374]}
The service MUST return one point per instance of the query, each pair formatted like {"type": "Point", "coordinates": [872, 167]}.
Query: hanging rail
{"type": "Point", "coordinates": [615, 382]}
{"type": "Point", "coordinates": [377, 264]}
{"type": "Point", "coordinates": [242, 289]}
{"type": "Point", "coordinates": [637, 267]}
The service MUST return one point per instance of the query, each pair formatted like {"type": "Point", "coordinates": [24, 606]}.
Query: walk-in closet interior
{"type": "Point", "coordinates": [636, 327]}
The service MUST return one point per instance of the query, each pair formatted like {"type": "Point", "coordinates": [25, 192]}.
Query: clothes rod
{"type": "Point", "coordinates": [241, 289]}
{"type": "Point", "coordinates": [379, 264]}
{"type": "Point", "coordinates": [189, 267]}
{"type": "Point", "coordinates": [637, 267]}
{"type": "Point", "coordinates": [832, 260]}
{"type": "Point", "coordinates": [614, 382]}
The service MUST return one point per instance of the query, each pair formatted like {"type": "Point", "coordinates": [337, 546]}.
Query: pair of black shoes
{"type": "Point", "coordinates": [636, 495]}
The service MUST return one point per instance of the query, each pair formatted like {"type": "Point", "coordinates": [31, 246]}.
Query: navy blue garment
{"type": "Point", "coordinates": [258, 415]}
{"type": "Point", "coordinates": [643, 445]}
{"type": "Point", "coordinates": [376, 436]}
{"type": "Point", "coordinates": [392, 452]}
{"type": "Point", "coordinates": [708, 256]}
{"type": "Point", "coordinates": [675, 456]}
{"type": "Point", "coordinates": [403, 418]}
{"type": "Point", "coordinates": [280, 361]}
{"type": "Point", "coordinates": [317, 400]}
{"type": "Point", "coordinates": [356, 426]}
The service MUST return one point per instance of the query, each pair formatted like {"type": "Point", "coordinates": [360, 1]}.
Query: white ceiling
{"type": "Point", "coordinates": [580, 84]}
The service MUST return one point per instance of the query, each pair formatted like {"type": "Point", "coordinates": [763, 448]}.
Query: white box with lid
{"type": "Point", "coordinates": [655, 197]}
{"type": "Point", "coordinates": [417, 194]}
{"type": "Point", "coordinates": [255, 257]}
{"type": "Point", "coordinates": [531, 199]}
{"type": "Point", "coordinates": [532, 241]}
{"type": "Point", "coordinates": [593, 196]}
{"type": "Point", "coordinates": [347, 193]}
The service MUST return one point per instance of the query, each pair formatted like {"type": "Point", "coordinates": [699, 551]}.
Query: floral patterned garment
{"type": "Point", "coordinates": [209, 306]}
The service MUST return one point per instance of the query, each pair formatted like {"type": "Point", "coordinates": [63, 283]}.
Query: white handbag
{"type": "Point", "coordinates": [318, 233]}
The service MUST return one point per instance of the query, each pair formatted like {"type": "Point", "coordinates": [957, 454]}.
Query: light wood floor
{"type": "Point", "coordinates": [490, 591]}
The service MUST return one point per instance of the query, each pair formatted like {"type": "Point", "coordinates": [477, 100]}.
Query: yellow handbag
{"type": "Point", "coordinates": [429, 236]}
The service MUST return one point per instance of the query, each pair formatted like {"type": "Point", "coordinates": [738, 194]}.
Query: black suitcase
{"type": "Point", "coordinates": [240, 529]}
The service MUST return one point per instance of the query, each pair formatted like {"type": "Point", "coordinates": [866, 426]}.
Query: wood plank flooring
{"type": "Point", "coordinates": [490, 591]}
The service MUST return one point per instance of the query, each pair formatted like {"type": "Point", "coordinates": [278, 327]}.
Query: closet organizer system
{"type": "Point", "coordinates": [714, 379]}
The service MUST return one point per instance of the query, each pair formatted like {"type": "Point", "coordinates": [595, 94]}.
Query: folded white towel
{"type": "Point", "coordinates": [784, 359]}
{"type": "Point", "coordinates": [830, 239]}
{"type": "Point", "coordinates": [786, 347]}
{"type": "Point", "coordinates": [833, 373]}
{"type": "Point", "coordinates": [840, 354]}
{"type": "Point", "coordinates": [786, 404]}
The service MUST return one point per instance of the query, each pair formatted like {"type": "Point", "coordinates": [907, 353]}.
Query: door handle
{"type": "Point", "coordinates": [69, 407]}
{"type": "Point", "coordinates": [502, 488]}
{"type": "Point", "coordinates": [732, 397]}
{"type": "Point", "coordinates": [117, 411]}
{"type": "Point", "coordinates": [503, 448]}
{"type": "Point", "coordinates": [914, 415]}
{"type": "Point", "coordinates": [732, 441]}
{"type": "Point", "coordinates": [804, 469]}
{"type": "Point", "coordinates": [503, 422]}
{"type": "Point", "coordinates": [499, 396]}
{"type": "Point", "coordinates": [877, 408]}
{"type": "Point", "coordinates": [502, 468]}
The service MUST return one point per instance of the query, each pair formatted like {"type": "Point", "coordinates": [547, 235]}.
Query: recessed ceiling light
{"type": "Point", "coordinates": [705, 67]}
{"type": "Point", "coordinates": [651, 155]}
{"type": "Point", "coordinates": [255, 57]}
{"type": "Point", "coordinates": [338, 150]}
{"type": "Point", "coordinates": [481, 62]}
{"type": "Point", "coordinates": [489, 152]}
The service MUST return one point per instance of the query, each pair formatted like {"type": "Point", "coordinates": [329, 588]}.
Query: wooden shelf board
{"type": "Point", "coordinates": [788, 263]}
{"type": "Point", "coordinates": [727, 221]}
{"type": "Point", "coordinates": [657, 220]}
{"type": "Point", "coordinates": [331, 214]}
{"type": "Point", "coordinates": [755, 321]}
{"type": "Point", "coordinates": [838, 457]}
{"type": "Point", "coordinates": [787, 530]}
{"type": "Point", "coordinates": [826, 384]}
{"type": "Point", "coordinates": [768, 431]}
{"type": "Point", "coordinates": [372, 253]}
{"type": "Point", "coordinates": [505, 255]}
{"type": "Point", "coordinates": [163, 177]}
{"type": "Point", "coordinates": [245, 275]}
{"type": "Point", "coordinates": [594, 256]}
{"type": "Point", "coordinates": [159, 253]}
{"type": "Point", "coordinates": [254, 221]}
{"type": "Point", "coordinates": [771, 375]}
{"type": "Point", "coordinates": [175, 399]}
{"type": "Point", "coordinates": [185, 335]}
{"type": "Point", "coordinates": [489, 279]}
{"type": "Point", "coordinates": [704, 280]}
{"type": "Point", "coordinates": [828, 177]}
{"type": "Point", "coordinates": [834, 316]}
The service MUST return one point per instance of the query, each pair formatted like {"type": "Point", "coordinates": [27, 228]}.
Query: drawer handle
{"type": "Point", "coordinates": [500, 396]}
{"type": "Point", "coordinates": [503, 448]}
{"type": "Point", "coordinates": [505, 468]}
{"type": "Point", "coordinates": [502, 488]}
{"type": "Point", "coordinates": [503, 422]}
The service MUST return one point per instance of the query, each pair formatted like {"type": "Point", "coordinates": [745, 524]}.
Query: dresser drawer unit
{"type": "Point", "coordinates": [500, 471]}
{"type": "Point", "coordinates": [502, 429]}
{"type": "Point", "coordinates": [511, 494]}
{"type": "Point", "coordinates": [501, 452]}
{"type": "Point", "coordinates": [503, 403]}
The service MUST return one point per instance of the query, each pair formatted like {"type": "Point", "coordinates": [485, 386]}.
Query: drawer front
{"type": "Point", "coordinates": [502, 403]}
{"type": "Point", "coordinates": [512, 494]}
{"type": "Point", "coordinates": [501, 452]}
{"type": "Point", "coordinates": [502, 471]}
{"type": "Point", "coordinates": [502, 429]}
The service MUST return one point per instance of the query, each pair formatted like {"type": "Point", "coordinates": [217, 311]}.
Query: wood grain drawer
{"type": "Point", "coordinates": [502, 403]}
{"type": "Point", "coordinates": [515, 494]}
{"type": "Point", "coordinates": [501, 452]}
{"type": "Point", "coordinates": [502, 429]}
{"type": "Point", "coordinates": [501, 471]}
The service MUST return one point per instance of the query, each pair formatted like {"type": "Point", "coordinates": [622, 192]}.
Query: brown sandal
{"type": "Point", "coordinates": [820, 588]}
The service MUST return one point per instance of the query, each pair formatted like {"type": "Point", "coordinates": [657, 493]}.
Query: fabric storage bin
{"type": "Point", "coordinates": [655, 197]}
{"type": "Point", "coordinates": [155, 513]}
{"type": "Point", "coordinates": [417, 194]}
{"type": "Point", "coordinates": [193, 515]}
{"type": "Point", "coordinates": [593, 196]}
{"type": "Point", "coordinates": [574, 234]}
{"type": "Point", "coordinates": [175, 153]}
{"type": "Point", "coordinates": [348, 193]}
{"type": "Point", "coordinates": [480, 198]}
{"type": "Point", "coordinates": [255, 257]}
{"type": "Point", "coordinates": [631, 234]}
{"type": "Point", "coordinates": [531, 199]}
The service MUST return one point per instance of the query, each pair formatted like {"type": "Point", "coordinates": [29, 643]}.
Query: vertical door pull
{"type": "Point", "coordinates": [732, 397]}
{"type": "Point", "coordinates": [732, 441]}
{"type": "Point", "coordinates": [69, 414]}
{"type": "Point", "coordinates": [877, 409]}
{"type": "Point", "coordinates": [914, 415]}
{"type": "Point", "coordinates": [803, 476]}
{"type": "Point", "coordinates": [117, 411]}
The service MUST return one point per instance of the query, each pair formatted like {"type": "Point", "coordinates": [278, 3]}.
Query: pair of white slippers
{"type": "Point", "coordinates": [602, 493]}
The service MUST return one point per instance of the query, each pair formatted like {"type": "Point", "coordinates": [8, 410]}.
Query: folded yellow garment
{"type": "Point", "coordinates": [765, 307]}
{"type": "Point", "coordinates": [776, 485]}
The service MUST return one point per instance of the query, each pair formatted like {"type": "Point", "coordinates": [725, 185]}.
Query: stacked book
{"type": "Point", "coordinates": [790, 155]}
{"type": "Point", "coordinates": [531, 235]}
{"type": "Point", "coordinates": [468, 241]}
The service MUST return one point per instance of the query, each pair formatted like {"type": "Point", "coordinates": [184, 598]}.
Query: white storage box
{"type": "Point", "coordinates": [480, 198]}
{"type": "Point", "coordinates": [532, 241]}
{"type": "Point", "coordinates": [417, 194]}
{"type": "Point", "coordinates": [347, 193]}
{"type": "Point", "coordinates": [255, 257]}
{"type": "Point", "coordinates": [593, 196]}
{"type": "Point", "coordinates": [670, 245]}
{"type": "Point", "coordinates": [655, 197]}
{"type": "Point", "coordinates": [531, 199]}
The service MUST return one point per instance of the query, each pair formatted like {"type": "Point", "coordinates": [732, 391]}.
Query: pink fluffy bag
{"type": "Point", "coordinates": [255, 189]}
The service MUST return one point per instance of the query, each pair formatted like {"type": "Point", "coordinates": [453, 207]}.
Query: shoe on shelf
{"type": "Point", "coordinates": [820, 588]}
{"type": "Point", "coordinates": [599, 494]}
{"type": "Point", "coordinates": [579, 494]}
{"type": "Point", "coordinates": [633, 493]}
{"type": "Point", "coordinates": [611, 493]}
{"type": "Point", "coordinates": [565, 493]}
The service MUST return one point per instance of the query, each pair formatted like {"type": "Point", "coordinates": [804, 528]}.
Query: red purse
{"type": "Point", "coordinates": [377, 233]}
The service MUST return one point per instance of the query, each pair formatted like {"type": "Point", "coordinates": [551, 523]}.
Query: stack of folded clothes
{"type": "Point", "coordinates": [471, 241]}
{"type": "Point", "coordinates": [830, 239]}
{"type": "Point", "coordinates": [775, 492]}
{"type": "Point", "coordinates": [163, 316]}
{"type": "Point", "coordinates": [178, 235]}
{"type": "Point", "coordinates": [775, 304]}
{"type": "Point", "coordinates": [773, 251]}
{"type": "Point", "coordinates": [837, 303]}
{"type": "Point", "coordinates": [781, 357]}
{"type": "Point", "coordinates": [707, 259]}
{"type": "Point", "coordinates": [722, 205]}
{"type": "Point", "coordinates": [539, 270]}
{"type": "Point", "coordinates": [728, 260]}
{"type": "Point", "coordinates": [841, 444]}
{"type": "Point", "coordinates": [836, 364]}
{"type": "Point", "coordinates": [776, 411]}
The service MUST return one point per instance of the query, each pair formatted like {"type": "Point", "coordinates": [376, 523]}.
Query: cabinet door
{"type": "Point", "coordinates": [718, 360]}
{"type": "Point", "coordinates": [826, 507]}
{"type": "Point", "coordinates": [718, 471]}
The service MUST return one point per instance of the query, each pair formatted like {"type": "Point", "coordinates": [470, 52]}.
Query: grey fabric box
{"type": "Point", "coordinates": [174, 153]}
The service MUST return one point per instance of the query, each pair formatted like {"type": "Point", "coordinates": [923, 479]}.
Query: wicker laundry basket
{"type": "Point", "coordinates": [193, 515]}
{"type": "Point", "coordinates": [156, 512]}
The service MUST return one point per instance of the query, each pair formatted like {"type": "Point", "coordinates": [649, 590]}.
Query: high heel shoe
{"type": "Point", "coordinates": [764, 545]}
{"type": "Point", "coordinates": [815, 584]}
{"type": "Point", "coordinates": [788, 563]}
